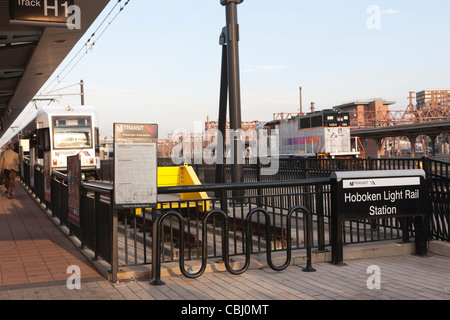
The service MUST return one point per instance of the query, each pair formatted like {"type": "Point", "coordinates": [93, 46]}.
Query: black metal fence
{"type": "Point", "coordinates": [95, 230]}
{"type": "Point", "coordinates": [262, 214]}
{"type": "Point", "coordinates": [439, 180]}
{"type": "Point", "coordinates": [438, 177]}
{"type": "Point", "coordinates": [307, 168]}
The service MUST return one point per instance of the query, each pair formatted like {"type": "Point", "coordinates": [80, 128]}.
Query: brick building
{"type": "Point", "coordinates": [370, 113]}
{"type": "Point", "coordinates": [199, 140]}
{"type": "Point", "coordinates": [433, 99]}
{"type": "Point", "coordinates": [248, 130]}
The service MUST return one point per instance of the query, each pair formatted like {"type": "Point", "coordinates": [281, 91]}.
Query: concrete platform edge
{"type": "Point", "coordinates": [258, 261]}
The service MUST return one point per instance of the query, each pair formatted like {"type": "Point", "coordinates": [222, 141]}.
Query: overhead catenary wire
{"type": "Point", "coordinates": [83, 51]}
{"type": "Point", "coordinates": [31, 108]}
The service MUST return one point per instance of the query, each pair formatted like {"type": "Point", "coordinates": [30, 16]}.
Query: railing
{"type": "Point", "coordinates": [308, 168]}
{"type": "Point", "coordinates": [439, 181]}
{"type": "Point", "coordinates": [437, 172]}
{"type": "Point", "coordinates": [260, 215]}
{"type": "Point", "coordinates": [98, 222]}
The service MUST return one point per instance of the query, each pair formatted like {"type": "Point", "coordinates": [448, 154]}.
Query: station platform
{"type": "Point", "coordinates": [32, 248]}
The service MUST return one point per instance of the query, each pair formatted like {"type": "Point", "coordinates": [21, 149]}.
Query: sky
{"type": "Point", "coordinates": [159, 61]}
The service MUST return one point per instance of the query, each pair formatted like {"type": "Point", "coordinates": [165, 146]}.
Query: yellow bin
{"type": "Point", "coordinates": [181, 176]}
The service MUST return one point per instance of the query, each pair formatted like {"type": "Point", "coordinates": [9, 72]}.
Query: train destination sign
{"type": "Point", "coordinates": [47, 11]}
{"type": "Point", "coordinates": [135, 165]}
{"type": "Point", "coordinates": [362, 195]}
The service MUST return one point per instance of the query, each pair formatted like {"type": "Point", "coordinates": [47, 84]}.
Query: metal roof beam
{"type": "Point", "coordinates": [19, 37]}
{"type": "Point", "coordinates": [8, 93]}
{"type": "Point", "coordinates": [11, 73]}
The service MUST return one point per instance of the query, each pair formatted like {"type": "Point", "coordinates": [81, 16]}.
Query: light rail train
{"type": "Point", "coordinates": [321, 134]}
{"type": "Point", "coordinates": [62, 131]}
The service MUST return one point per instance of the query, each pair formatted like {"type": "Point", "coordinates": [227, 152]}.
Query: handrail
{"type": "Point", "coordinates": [236, 186]}
{"type": "Point", "coordinates": [243, 185]}
{"type": "Point", "coordinates": [104, 188]}
{"type": "Point", "coordinates": [97, 188]}
{"type": "Point", "coordinates": [59, 175]}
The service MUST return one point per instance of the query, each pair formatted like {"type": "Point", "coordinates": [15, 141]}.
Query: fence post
{"type": "Point", "coordinates": [156, 249]}
{"type": "Point", "coordinates": [115, 240]}
{"type": "Point", "coordinates": [337, 250]}
{"type": "Point", "coordinates": [426, 166]}
{"type": "Point", "coordinates": [371, 166]}
{"type": "Point", "coordinates": [308, 235]}
{"type": "Point", "coordinates": [320, 218]}
{"type": "Point", "coordinates": [96, 210]}
{"type": "Point", "coordinates": [307, 165]}
{"type": "Point", "coordinates": [258, 179]}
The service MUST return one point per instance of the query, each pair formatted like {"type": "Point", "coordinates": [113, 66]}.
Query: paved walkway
{"type": "Point", "coordinates": [35, 255]}
{"type": "Point", "coordinates": [32, 248]}
{"type": "Point", "coordinates": [401, 278]}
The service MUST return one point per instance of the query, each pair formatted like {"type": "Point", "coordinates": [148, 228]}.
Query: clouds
{"type": "Point", "coordinates": [391, 11]}
{"type": "Point", "coordinates": [264, 68]}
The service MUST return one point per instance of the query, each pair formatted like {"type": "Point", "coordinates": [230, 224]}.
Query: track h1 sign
{"type": "Point", "coordinates": [361, 195]}
{"type": "Point", "coordinates": [46, 11]}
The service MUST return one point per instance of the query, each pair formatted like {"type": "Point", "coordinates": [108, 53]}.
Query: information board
{"type": "Point", "coordinates": [135, 165]}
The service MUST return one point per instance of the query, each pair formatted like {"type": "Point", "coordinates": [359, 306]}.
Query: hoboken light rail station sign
{"type": "Point", "coordinates": [381, 196]}
{"type": "Point", "coordinates": [135, 165]}
{"type": "Point", "coordinates": [365, 195]}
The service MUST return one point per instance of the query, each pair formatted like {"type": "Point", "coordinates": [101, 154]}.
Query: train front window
{"type": "Point", "coordinates": [72, 132]}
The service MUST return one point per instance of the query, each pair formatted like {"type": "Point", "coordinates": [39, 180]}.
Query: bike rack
{"type": "Point", "coordinates": [225, 240]}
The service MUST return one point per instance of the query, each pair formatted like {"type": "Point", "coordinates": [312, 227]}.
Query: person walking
{"type": "Point", "coordinates": [9, 165]}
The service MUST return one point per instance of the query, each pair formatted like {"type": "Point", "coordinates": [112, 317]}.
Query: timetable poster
{"type": "Point", "coordinates": [135, 165]}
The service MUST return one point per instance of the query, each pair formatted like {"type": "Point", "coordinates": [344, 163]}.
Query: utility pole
{"type": "Point", "coordinates": [301, 103]}
{"type": "Point", "coordinates": [82, 92]}
{"type": "Point", "coordinates": [230, 81]}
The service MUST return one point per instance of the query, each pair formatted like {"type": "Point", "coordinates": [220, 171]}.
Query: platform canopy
{"type": "Point", "coordinates": [34, 41]}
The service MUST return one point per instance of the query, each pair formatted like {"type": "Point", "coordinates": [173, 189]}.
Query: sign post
{"type": "Point", "coordinates": [360, 195]}
{"type": "Point", "coordinates": [135, 165]}
{"type": "Point", "coordinates": [32, 162]}
{"type": "Point", "coordinates": [74, 188]}
{"type": "Point", "coordinates": [48, 176]}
